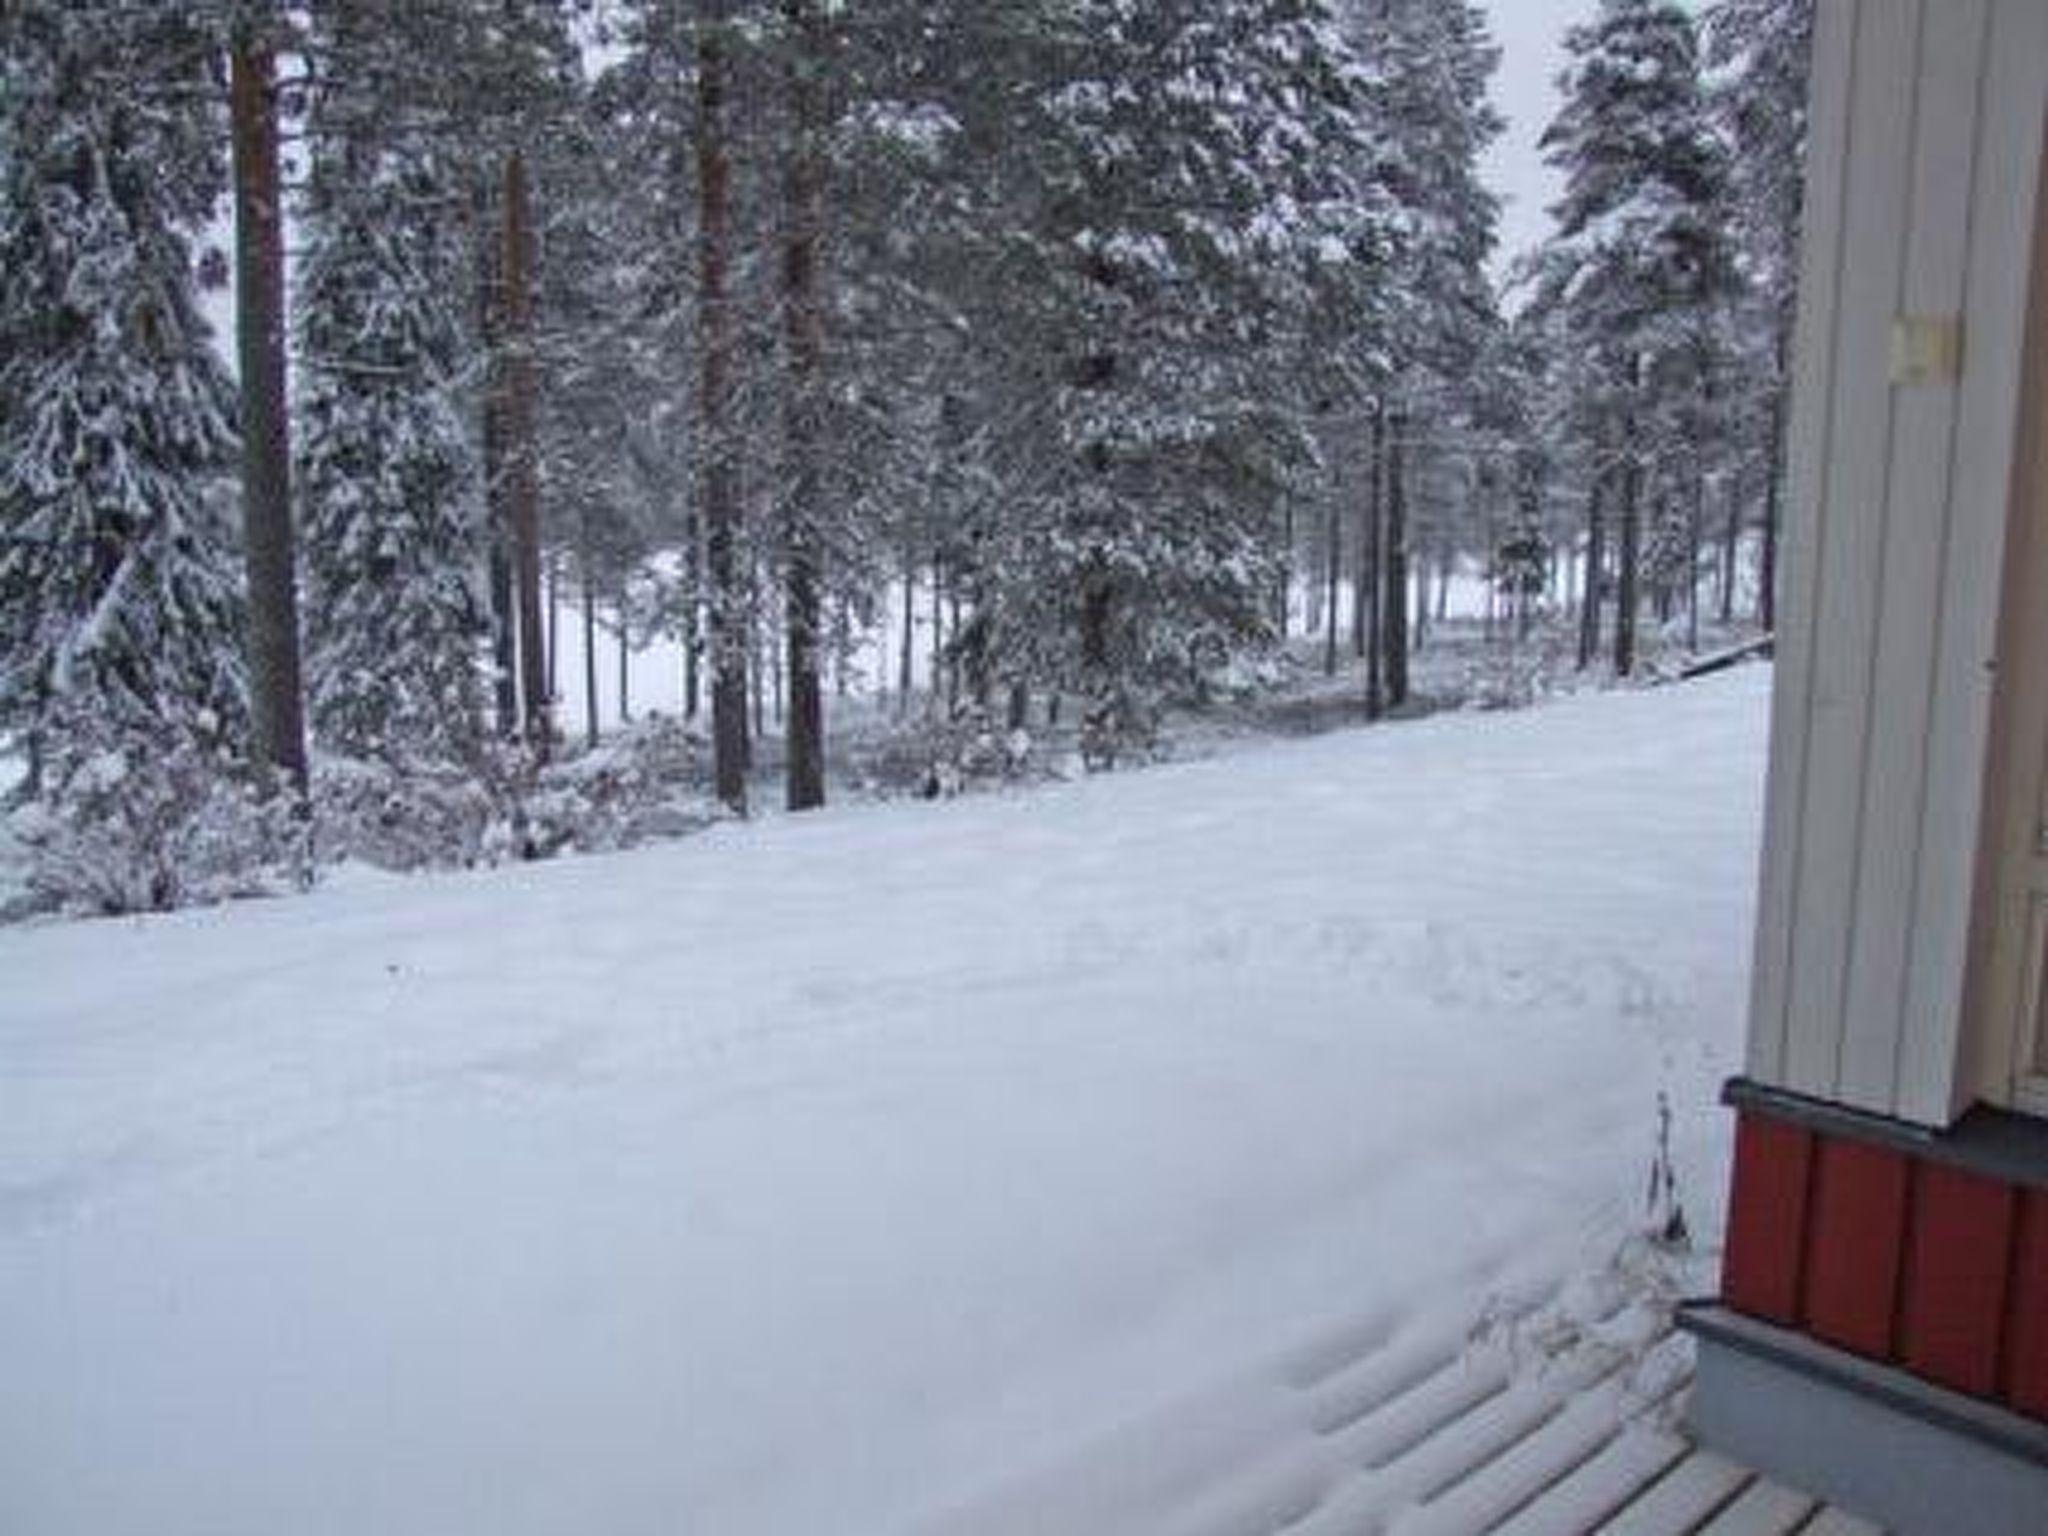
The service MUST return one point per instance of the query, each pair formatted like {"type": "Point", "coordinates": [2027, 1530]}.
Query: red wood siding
{"type": "Point", "coordinates": [1761, 1269]}
{"type": "Point", "coordinates": [2026, 1335]}
{"type": "Point", "coordinates": [1893, 1256]}
{"type": "Point", "coordinates": [1956, 1273]}
{"type": "Point", "coordinates": [1855, 1237]}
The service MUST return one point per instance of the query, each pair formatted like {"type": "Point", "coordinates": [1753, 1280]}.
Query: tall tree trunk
{"type": "Point", "coordinates": [804, 335]}
{"type": "Point", "coordinates": [1595, 567]}
{"type": "Point", "coordinates": [1695, 530]}
{"type": "Point", "coordinates": [1375, 635]}
{"type": "Point", "coordinates": [276, 696]}
{"type": "Point", "coordinates": [1334, 538]}
{"type": "Point", "coordinates": [554, 650]}
{"type": "Point", "coordinates": [522, 450]}
{"type": "Point", "coordinates": [1774, 483]}
{"type": "Point", "coordinates": [625, 660]}
{"type": "Point", "coordinates": [719, 495]}
{"type": "Point", "coordinates": [693, 616]}
{"type": "Point", "coordinates": [1628, 576]}
{"type": "Point", "coordinates": [905, 675]}
{"type": "Point", "coordinates": [1395, 576]}
{"type": "Point", "coordinates": [936, 663]}
{"type": "Point", "coordinates": [1284, 591]}
{"type": "Point", "coordinates": [504, 635]}
{"type": "Point", "coordinates": [590, 724]}
{"type": "Point", "coordinates": [1361, 572]}
{"type": "Point", "coordinates": [1731, 544]}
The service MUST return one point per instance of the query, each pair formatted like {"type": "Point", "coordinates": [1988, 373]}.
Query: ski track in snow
{"type": "Point", "coordinates": [835, 1173]}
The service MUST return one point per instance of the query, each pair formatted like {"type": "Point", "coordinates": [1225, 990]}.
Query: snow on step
{"type": "Point", "coordinates": [1834, 1522]}
{"type": "Point", "coordinates": [1600, 1486]}
{"type": "Point", "coordinates": [1764, 1509]}
{"type": "Point", "coordinates": [1681, 1499]}
{"type": "Point", "coordinates": [1528, 1472]}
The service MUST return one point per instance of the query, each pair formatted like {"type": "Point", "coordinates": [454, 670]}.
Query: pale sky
{"type": "Point", "coordinates": [1531, 38]}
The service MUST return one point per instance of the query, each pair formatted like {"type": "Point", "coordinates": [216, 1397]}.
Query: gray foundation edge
{"type": "Point", "coordinates": [1989, 1142]}
{"type": "Point", "coordinates": [1868, 1438]}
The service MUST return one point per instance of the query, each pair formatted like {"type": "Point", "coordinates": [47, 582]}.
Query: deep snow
{"type": "Point", "coordinates": [834, 1174]}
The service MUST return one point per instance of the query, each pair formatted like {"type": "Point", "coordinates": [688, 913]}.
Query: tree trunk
{"type": "Point", "coordinates": [1774, 488]}
{"type": "Point", "coordinates": [1334, 537]}
{"type": "Point", "coordinates": [1695, 529]}
{"type": "Point", "coordinates": [522, 450]}
{"type": "Point", "coordinates": [504, 634]}
{"type": "Point", "coordinates": [935, 667]}
{"type": "Point", "coordinates": [277, 704]}
{"type": "Point", "coordinates": [554, 650]}
{"type": "Point", "coordinates": [905, 675]}
{"type": "Point", "coordinates": [625, 661]}
{"type": "Point", "coordinates": [1395, 582]}
{"type": "Point", "coordinates": [1375, 637]}
{"type": "Point", "coordinates": [1283, 594]}
{"type": "Point", "coordinates": [1731, 544]}
{"type": "Point", "coordinates": [1626, 579]}
{"type": "Point", "coordinates": [719, 496]}
{"type": "Point", "coordinates": [693, 617]}
{"type": "Point", "coordinates": [804, 334]}
{"type": "Point", "coordinates": [1596, 561]}
{"type": "Point", "coordinates": [590, 725]}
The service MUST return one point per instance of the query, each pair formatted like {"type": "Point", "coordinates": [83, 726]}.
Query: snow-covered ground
{"type": "Point", "coordinates": [855, 1173]}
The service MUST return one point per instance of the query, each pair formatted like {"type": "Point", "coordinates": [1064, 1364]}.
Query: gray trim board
{"type": "Point", "coordinates": [1916, 1459]}
{"type": "Point", "coordinates": [1994, 1143]}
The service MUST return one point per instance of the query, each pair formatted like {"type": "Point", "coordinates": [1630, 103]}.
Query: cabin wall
{"type": "Point", "coordinates": [1926, 139]}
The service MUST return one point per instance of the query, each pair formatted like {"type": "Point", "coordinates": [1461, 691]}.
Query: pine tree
{"type": "Point", "coordinates": [1432, 121]}
{"type": "Point", "coordinates": [1766, 47]}
{"type": "Point", "coordinates": [387, 473]}
{"type": "Point", "coordinates": [1640, 260]}
{"type": "Point", "coordinates": [120, 603]}
{"type": "Point", "coordinates": [276, 687]}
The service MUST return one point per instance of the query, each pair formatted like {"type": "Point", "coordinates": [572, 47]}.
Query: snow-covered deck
{"type": "Point", "coordinates": [1559, 1421]}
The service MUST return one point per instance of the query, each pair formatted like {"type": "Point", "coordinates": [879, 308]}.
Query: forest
{"type": "Point", "coordinates": [1004, 368]}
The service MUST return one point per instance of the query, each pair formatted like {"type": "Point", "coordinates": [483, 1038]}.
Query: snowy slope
{"type": "Point", "coordinates": [831, 1174]}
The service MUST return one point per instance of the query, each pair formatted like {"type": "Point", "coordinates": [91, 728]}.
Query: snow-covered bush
{"type": "Point", "coordinates": [645, 783]}
{"type": "Point", "coordinates": [939, 758]}
{"type": "Point", "coordinates": [415, 816]}
{"type": "Point", "coordinates": [136, 819]}
{"type": "Point", "coordinates": [505, 805]}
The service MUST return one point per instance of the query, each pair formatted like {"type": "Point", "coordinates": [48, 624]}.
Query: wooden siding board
{"type": "Point", "coordinates": [1846, 613]}
{"type": "Point", "coordinates": [1855, 1241]}
{"type": "Point", "coordinates": [1909, 548]}
{"type": "Point", "coordinates": [1812, 405]}
{"type": "Point", "coordinates": [1767, 1218]}
{"type": "Point", "coordinates": [1953, 1317]}
{"type": "Point", "coordinates": [2024, 1369]}
{"type": "Point", "coordinates": [2006, 184]}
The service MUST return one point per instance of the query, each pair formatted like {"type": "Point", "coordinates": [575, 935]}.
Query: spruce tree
{"type": "Point", "coordinates": [1765, 48]}
{"type": "Point", "coordinates": [388, 480]}
{"type": "Point", "coordinates": [120, 598]}
{"type": "Point", "coordinates": [1641, 258]}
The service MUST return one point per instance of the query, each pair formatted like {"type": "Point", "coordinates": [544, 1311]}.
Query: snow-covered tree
{"type": "Point", "coordinates": [388, 482]}
{"type": "Point", "coordinates": [120, 598]}
{"type": "Point", "coordinates": [1641, 259]}
{"type": "Point", "coordinates": [1765, 47]}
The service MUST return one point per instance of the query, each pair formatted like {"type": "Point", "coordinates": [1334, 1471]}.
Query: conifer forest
{"type": "Point", "coordinates": [933, 381]}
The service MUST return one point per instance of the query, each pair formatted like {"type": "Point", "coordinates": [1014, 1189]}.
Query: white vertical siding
{"type": "Point", "coordinates": [1926, 133]}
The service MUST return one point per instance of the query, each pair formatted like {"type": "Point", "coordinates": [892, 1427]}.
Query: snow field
{"type": "Point", "coordinates": [870, 1171]}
